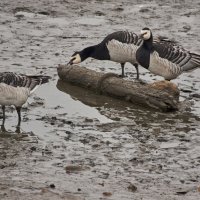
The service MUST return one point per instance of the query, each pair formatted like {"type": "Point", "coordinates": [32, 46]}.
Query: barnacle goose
{"type": "Point", "coordinates": [16, 88]}
{"type": "Point", "coordinates": [119, 47]}
{"type": "Point", "coordinates": [167, 59]}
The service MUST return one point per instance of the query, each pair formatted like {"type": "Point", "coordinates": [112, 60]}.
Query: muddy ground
{"type": "Point", "coordinates": [77, 145]}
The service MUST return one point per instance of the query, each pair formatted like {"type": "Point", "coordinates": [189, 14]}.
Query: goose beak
{"type": "Point", "coordinates": [141, 36]}
{"type": "Point", "coordinates": [70, 62]}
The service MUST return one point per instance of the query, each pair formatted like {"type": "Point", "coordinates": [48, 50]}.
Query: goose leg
{"type": "Point", "coordinates": [19, 115]}
{"type": "Point", "coordinates": [122, 66]}
{"type": "Point", "coordinates": [4, 115]}
{"type": "Point", "coordinates": [4, 118]}
{"type": "Point", "coordinates": [137, 70]}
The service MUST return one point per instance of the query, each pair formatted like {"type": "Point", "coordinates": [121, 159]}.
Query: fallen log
{"type": "Point", "coordinates": [162, 95]}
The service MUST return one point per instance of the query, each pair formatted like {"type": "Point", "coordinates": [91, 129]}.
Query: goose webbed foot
{"type": "Point", "coordinates": [3, 129]}
{"type": "Point", "coordinates": [18, 129]}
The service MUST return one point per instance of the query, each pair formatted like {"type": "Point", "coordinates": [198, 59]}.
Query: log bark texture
{"type": "Point", "coordinates": [162, 95]}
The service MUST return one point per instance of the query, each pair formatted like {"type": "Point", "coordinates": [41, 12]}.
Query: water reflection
{"type": "Point", "coordinates": [119, 110]}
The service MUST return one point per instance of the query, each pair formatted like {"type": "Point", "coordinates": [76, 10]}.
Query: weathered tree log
{"type": "Point", "coordinates": [162, 95]}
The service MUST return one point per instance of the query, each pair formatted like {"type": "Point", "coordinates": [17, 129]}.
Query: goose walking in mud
{"type": "Point", "coordinates": [167, 59]}
{"type": "Point", "coordinates": [120, 47]}
{"type": "Point", "coordinates": [15, 90]}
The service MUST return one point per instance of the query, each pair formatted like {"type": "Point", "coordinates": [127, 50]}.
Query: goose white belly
{"type": "Point", "coordinates": [163, 67]}
{"type": "Point", "coordinates": [10, 95]}
{"type": "Point", "coordinates": [121, 52]}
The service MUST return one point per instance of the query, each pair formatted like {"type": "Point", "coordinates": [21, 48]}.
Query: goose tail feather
{"type": "Point", "coordinates": [37, 80]}
{"type": "Point", "coordinates": [41, 78]}
{"type": "Point", "coordinates": [193, 63]}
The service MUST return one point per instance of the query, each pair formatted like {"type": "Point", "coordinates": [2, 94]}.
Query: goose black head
{"type": "Point", "coordinates": [75, 58]}
{"type": "Point", "coordinates": [146, 34]}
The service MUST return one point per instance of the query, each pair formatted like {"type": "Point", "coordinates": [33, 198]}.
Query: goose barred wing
{"type": "Point", "coordinates": [164, 39]}
{"type": "Point", "coordinates": [123, 37]}
{"type": "Point", "coordinates": [173, 52]}
{"type": "Point", "coordinates": [128, 37]}
{"type": "Point", "coordinates": [21, 80]}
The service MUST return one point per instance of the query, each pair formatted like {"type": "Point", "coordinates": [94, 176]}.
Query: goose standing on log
{"type": "Point", "coordinates": [15, 90]}
{"type": "Point", "coordinates": [167, 59]}
{"type": "Point", "coordinates": [119, 47]}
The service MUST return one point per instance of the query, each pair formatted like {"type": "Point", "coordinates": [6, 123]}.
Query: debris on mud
{"type": "Point", "coordinates": [75, 168]}
{"type": "Point", "coordinates": [107, 194]}
{"type": "Point", "coordinates": [132, 187]}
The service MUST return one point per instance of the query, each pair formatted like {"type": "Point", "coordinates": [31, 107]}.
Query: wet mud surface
{"type": "Point", "coordinates": [74, 144]}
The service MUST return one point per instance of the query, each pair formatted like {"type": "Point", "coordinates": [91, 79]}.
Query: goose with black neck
{"type": "Point", "coordinates": [120, 47]}
{"type": "Point", "coordinates": [167, 59]}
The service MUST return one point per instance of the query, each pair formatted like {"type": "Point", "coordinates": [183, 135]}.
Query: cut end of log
{"type": "Point", "coordinates": [166, 86]}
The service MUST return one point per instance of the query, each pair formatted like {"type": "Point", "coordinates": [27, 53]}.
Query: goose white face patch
{"type": "Point", "coordinates": [146, 34]}
{"type": "Point", "coordinates": [76, 59]}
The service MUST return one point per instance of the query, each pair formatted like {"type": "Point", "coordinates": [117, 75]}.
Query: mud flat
{"type": "Point", "coordinates": [75, 144]}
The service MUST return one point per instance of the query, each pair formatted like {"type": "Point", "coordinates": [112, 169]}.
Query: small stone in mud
{"type": "Point", "coordinates": [57, 107]}
{"type": "Point", "coordinates": [186, 28]}
{"type": "Point", "coordinates": [162, 139]}
{"type": "Point", "coordinates": [84, 141]}
{"type": "Point", "coordinates": [33, 148]}
{"type": "Point", "coordinates": [52, 185]}
{"type": "Point", "coordinates": [118, 9]}
{"type": "Point", "coordinates": [99, 13]}
{"type": "Point", "coordinates": [185, 191]}
{"type": "Point", "coordinates": [108, 194]}
{"type": "Point", "coordinates": [44, 13]}
{"type": "Point", "coordinates": [182, 192]}
{"type": "Point", "coordinates": [18, 9]}
{"type": "Point", "coordinates": [108, 142]}
{"type": "Point", "coordinates": [54, 118]}
{"type": "Point", "coordinates": [73, 168]}
{"type": "Point", "coordinates": [19, 16]}
{"type": "Point", "coordinates": [66, 121]}
{"type": "Point", "coordinates": [104, 175]}
{"type": "Point", "coordinates": [102, 184]}
{"type": "Point", "coordinates": [156, 130]}
{"type": "Point", "coordinates": [2, 166]}
{"type": "Point", "coordinates": [88, 120]}
{"type": "Point", "coordinates": [68, 132]}
{"type": "Point", "coordinates": [144, 10]}
{"type": "Point", "coordinates": [95, 145]}
{"type": "Point", "coordinates": [196, 95]}
{"type": "Point", "coordinates": [46, 151]}
{"type": "Point", "coordinates": [132, 187]}
{"type": "Point", "coordinates": [79, 189]}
